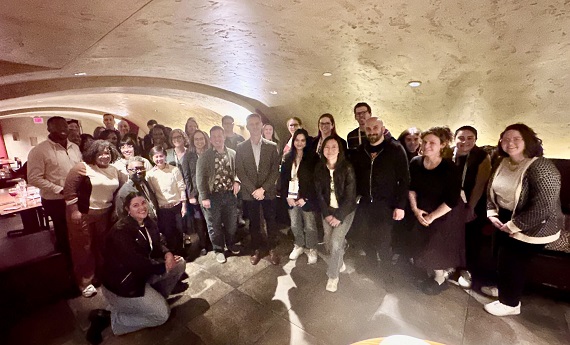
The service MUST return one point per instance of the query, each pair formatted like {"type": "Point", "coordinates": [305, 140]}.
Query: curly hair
{"type": "Point", "coordinates": [90, 154]}
{"type": "Point", "coordinates": [445, 136]}
{"type": "Point", "coordinates": [532, 143]}
{"type": "Point", "coordinates": [179, 131]}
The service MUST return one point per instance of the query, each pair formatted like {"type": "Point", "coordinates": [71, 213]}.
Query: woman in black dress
{"type": "Point", "coordinates": [435, 201]}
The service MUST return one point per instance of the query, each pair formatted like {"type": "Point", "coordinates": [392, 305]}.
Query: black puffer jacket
{"type": "Point", "coordinates": [129, 260]}
{"type": "Point", "coordinates": [345, 189]}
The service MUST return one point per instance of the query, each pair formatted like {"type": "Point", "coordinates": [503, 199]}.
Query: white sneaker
{"type": "Point", "coordinates": [220, 257]}
{"type": "Point", "coordinates": [313, 256]}
{"type": "Point", "coordinates": [296, 252]}
{"type": "Point", "coordinates": [332, 285]}
{"type": "Point", "coordinates": [499, 309]}
{"type": "Point", "coordinates": [343, 267]}
{"type": "Point", "coordinates": [491, 291]}
{"type": "Point", "coordinates": [465, 279]}
{"type": "Point", "coordinates": [89, 291]}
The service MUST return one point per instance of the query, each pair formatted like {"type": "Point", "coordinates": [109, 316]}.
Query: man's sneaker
{"type": "Point", "coordinates": [220, 257]}
{"type": "Point", "coordinates": [465, 280]}
{"type": "Point", "coordinates": [89, 291]}
{"type": "Point", "coordinates": [343, 267]}
{"type": "Point", "coordinates": [235, 249]}
{"type": "Point", "coordinates": [491, 291]}
{"type": "Point", "coordinates": [332, 285]}
{"type": "Point", "coordinates": [296, 252]}
{"type": "Point", "coordinates": [499, 309]}
{"type": "Point", "coordinates": [313, 256]}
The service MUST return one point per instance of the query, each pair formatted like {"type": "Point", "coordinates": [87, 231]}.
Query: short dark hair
{"type": "Point", "coordinates": [216, 128]}
{"type": "Point", "coordinates": [532, 144]}
{"type": "Point", "coordinates": [227, 117]}
{"type": "Point", "coordinates": [97, 131]}
{"type": "Point", "coordinates": [53, 119]}
{"type": "Point", "coordinates": [405, 133]}
{"type": "Point", "coordinates": [151, 122]}
{"type": "Point", "coordinates": [362, 104]}
{"type": "Point", "coordinates": [85, 138]}
{"type": "Point", "coordinates": [155, 150]}
{"type": "Point", "coordinates": [252, 115]}
{"type": "Point", "coordinates": [467, 128]}
{"type": "Point", "coordinates": [109, 115]}
{"type": "Point", "coordinates": [73, 121]}
{"type": "Point", "coordinates": [90, 154]}
{"type": "Point", "coordinates": [130, 139]}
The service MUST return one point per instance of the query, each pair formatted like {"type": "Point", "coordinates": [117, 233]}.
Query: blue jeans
{"type": "Point", "coordinates": [223, 210]}
{"type": "Point", "coordinates": [304, 227]}
{"type": "Point", "coordinates": [151, 310]}
{"type": "Point", "coordinates": [335, 242]}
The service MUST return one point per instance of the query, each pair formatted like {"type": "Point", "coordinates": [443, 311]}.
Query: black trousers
{"type": "Point", "coordinates": [254, 207]}
{"type": "Point", "coordinates": [514, 257]}
{"type": "Point", "coordinates": [55, 209]}
{"type": "Point", "coordinates": [376, 225]}
{"type": "Point", "coordinates": [171, 225]}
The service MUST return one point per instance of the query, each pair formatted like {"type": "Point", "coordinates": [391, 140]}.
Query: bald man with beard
{"type": "Point", "coordinates": [382, 182]}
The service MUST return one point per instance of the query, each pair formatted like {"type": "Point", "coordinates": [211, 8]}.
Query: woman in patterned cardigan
{"type": "Point", "coordinates": [524, 204]}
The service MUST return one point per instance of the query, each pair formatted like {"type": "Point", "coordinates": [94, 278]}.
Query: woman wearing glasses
{"type": "Point", "coordinates": [523, 203]}
{"type": "Point", "coordinates": [327, 128]}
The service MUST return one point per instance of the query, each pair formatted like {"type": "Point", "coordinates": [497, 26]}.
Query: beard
{"type": "Point", "coordinates": [373, 137]}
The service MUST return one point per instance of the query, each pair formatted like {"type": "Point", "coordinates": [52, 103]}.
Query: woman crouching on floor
{"type": "Point", "coordinates": [138, 274]}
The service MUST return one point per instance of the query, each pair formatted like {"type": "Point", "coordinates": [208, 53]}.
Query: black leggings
{"type": "Point", "coordinates": [514, 257]}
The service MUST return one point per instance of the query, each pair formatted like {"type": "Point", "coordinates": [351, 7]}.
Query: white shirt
{"type": "Point", "coordinates": [105, 181]}
{"type": "Point", "coordinates": [48, 166]}
{"type": "Point", "coordinates": [167, 184]}
{"type": "Point", "coordinates": [334, 201]}
{"type": "Point", "coordinates": [256, 152]}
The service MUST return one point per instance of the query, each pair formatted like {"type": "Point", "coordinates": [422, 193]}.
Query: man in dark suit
{"type": "Point", "coordinates": [257, 167]}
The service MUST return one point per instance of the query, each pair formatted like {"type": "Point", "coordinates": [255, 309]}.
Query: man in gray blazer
{"type": "Point", "coordinates": [257, 167]}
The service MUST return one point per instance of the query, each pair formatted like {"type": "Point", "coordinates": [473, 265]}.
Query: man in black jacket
{"type": "Point", "coordinates": [382, 182]}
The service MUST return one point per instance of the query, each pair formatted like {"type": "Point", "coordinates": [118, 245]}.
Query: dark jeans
{"type": "Point", "coordinates": [254, 207]}
{"type": "Point", "coordinates": [223, 210]}
{"type": "Point", "coordinates": [513, 260]}
{"type": "Point", "coordinates": [199, 226]}
{"type": "Point", "coordinates": [376, 225]}
{"type": "Point", "coordinates": [55, 209]}
{"type": "Point", "coordinates": [171, 225]}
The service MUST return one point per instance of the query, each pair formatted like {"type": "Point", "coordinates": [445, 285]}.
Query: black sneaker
{"type": "Point", "coordinates": [431, 287]}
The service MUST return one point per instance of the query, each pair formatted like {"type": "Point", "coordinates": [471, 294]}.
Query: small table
{"type": "Point", "coordinates": [28, 212]}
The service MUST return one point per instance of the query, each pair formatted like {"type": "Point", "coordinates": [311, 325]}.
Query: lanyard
{"type": "Point", "coordinates": [294, 169]}
{"type": "Point", "coordinates": [147, 237]}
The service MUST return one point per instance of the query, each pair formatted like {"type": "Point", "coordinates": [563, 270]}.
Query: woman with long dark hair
{"type": "Point", "coordinates": [523, 203]}
{"type": "Point", "coordinates": [336, 191]}
{"type": "Point", "coordinates": [297, 185]}
{"type": "Point", "coordinates": [410, 141]}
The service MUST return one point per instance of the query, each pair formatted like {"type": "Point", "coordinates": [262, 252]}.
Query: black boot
{"type": "Point", "coordinates": [100, 319]}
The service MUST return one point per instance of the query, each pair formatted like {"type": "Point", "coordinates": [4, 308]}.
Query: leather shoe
{"type": "Point", "coordinates": [274, 258]}
{"type": "Point", "coordinates": [255, 258]}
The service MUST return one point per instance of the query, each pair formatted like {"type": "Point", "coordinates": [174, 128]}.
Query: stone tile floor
{"type": "Point", "coordinates": [237, 303]}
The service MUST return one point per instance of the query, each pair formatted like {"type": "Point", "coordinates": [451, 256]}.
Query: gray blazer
{"type": "Point", "coordinates": [205, 172]}
{"type": "Point", "coordinates": [252, 179]}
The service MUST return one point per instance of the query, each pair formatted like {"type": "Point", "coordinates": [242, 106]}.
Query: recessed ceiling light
{"type": "Point", "coordinates": [327, 74]}
{"type": "Point", "coordinates": [273, 92]}
{"type": "Point", "coordinates": [79, 73]}
{"type": "Point", "coordinates": [414, 83]}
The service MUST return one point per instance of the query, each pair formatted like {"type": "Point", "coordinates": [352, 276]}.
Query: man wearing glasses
{"type": "Point", "coordinates": [136, 183]}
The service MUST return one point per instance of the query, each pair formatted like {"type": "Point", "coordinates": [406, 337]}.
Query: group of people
{"type": "Point", "coordinates": [123, 208]}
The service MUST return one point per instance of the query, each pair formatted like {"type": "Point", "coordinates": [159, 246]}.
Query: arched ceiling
{"type": "Point", "coordinates": [487, 63]}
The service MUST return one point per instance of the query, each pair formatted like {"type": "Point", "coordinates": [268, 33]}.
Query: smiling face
{"type": "Point", "coordinates": [199, 141]}
{"type": "Point", "coordinates": [109, 121]}
{"type": "Point", "coordinates": [431, 146]}
{"type": "Point", "coordinates": [112, 138]}
{"type": "Point", "coordinates": [58, 129]}
{"type": "Point", "coordinates": [123, 127]}
{"type": "Point", "coordinates": [325, 126]}
{"type": "Point", "coordinates": [177, 139]}
{"type": "Point", "coordinates": [512, 142]}
{"type": "Point", "coordinates": [374, 130]}
{"type": "Point", "coordinates": [138, 209]}
{"type": "Point", "coordinates": [293, 125]}
{"type": "Point", "coordinates": [412, 142]}
{"type": "Point", "coordinates": [127, 151]}
{"type": "Point", "coordinates": [464, 141]}
{"type": "Point", "coordinates": [217, 138]}
{"type": "Point", "coordinates": [103, 158]}
{"type": "Point", "coordinates": [300, 142]}
{"type": "Point", "coordinates": [191, 127]}
{"type": "Point", "coordinates": [331, 150]}
{"type": "Point", "coordinates": [159, 159]}
{"type": "Point", "coordinates": [361, 114]}
{"type": "Point", "coordinates": [268, 132]}
{"type": "Point", "coordinates": [158, 137]}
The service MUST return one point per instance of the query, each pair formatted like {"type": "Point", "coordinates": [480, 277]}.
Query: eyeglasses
{"type": "Point", "coordinates": [137, 169]}
{"type": "Point", "coordinates": [361, 113]}
{"type": "Point", "coordinates": [177, 137]}
{"type": "Point", "coordinates": [325, 123]}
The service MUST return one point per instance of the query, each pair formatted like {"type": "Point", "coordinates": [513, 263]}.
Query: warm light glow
{"type": "Point", "coordinates": [415, 83]}
{"type": "Point", "coordinates": [327, 74]}
{"type": "Point", "coordinates": [273, 92]}
{"type": "Point", "coordinates": [79, 73]}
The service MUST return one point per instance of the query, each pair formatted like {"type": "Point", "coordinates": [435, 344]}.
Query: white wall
{"type": "Point", "coordinates": [26, 128]}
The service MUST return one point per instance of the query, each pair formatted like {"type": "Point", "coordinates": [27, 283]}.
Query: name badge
{"type": "Point", "coordinates": [293, 192]}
